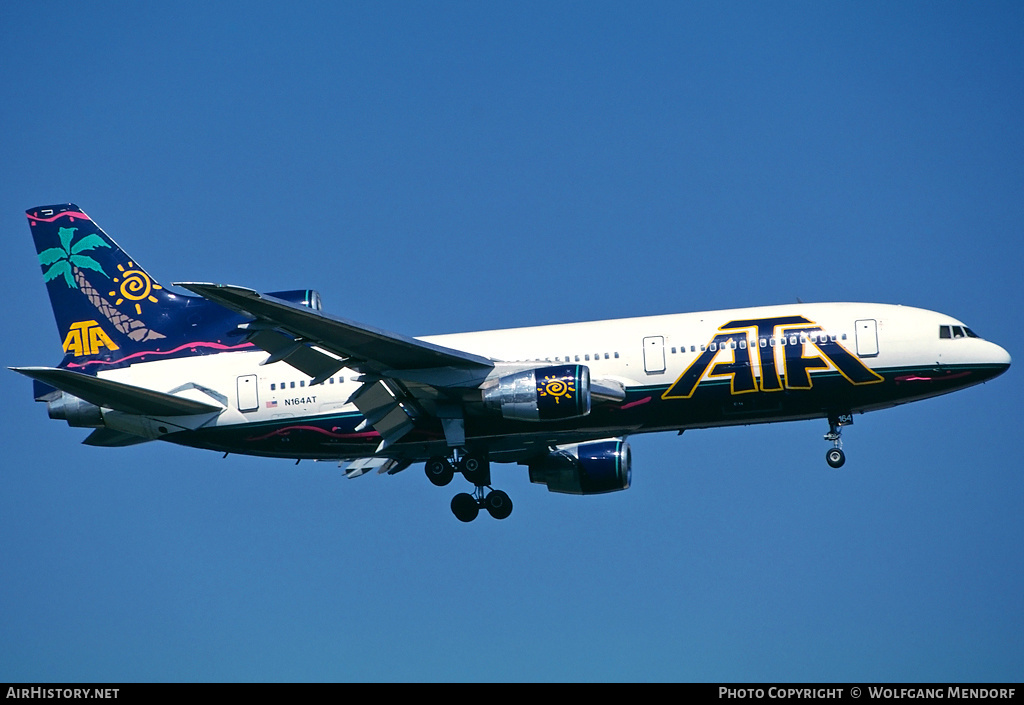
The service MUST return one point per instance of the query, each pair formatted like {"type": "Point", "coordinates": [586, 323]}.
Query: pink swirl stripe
{"type": "Point", "coordinates": [65, 214]}
{"type": "Point", "coordinates": [943, 378]}
{"type": "Point", "coordinates": [215, 346]}
{"type": "Point", "coordinates": [638, 402]}
{"type": "Point", "coordinates": [288, 429]}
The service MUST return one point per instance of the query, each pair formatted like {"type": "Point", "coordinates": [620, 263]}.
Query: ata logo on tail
{"type": "Point", "coordinates": [86, 338]}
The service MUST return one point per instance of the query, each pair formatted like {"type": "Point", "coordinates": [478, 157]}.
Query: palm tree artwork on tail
{"type": "Point", "coordinates": [68, 260]}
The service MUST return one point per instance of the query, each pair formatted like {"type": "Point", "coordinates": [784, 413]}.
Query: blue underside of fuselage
{"type": "Point", "coordinates": [334, 436]}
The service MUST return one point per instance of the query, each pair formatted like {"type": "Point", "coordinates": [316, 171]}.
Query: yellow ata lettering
{"type": "Point", "coordinates": [86, 338]}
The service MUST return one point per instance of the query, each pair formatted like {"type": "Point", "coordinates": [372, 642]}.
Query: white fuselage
{"type": "Point", "coordinates": [650, 352]}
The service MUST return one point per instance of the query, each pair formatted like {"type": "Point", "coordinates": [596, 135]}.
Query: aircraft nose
{"type": "Point", "coordinates": [999, 356]}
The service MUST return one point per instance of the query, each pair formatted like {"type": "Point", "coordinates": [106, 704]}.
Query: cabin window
{"type": "Point", "coordinates": [616, 356]}
{"type": "Point", "coordinates": [271, 386]}
{"type": "Point", "coordinates": [293, 385]}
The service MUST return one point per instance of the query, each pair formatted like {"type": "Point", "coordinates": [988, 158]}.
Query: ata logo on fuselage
{"type": "Point", "coordinates": [752, 346]}
{"type": "Point", "coordinates": [86, 338]}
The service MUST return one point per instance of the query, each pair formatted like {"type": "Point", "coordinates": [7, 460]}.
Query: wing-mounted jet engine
{"type": "Point", "coordinates": [542, 394]}
{"type": "Point", "coordinates": [585, 468]}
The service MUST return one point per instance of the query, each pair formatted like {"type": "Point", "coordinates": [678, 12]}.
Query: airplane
{"type": "Point", "coordinates": [234, 370]}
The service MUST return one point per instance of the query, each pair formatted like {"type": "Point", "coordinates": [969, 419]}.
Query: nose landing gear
{"type": "Point", "coordinates": [835, 456]}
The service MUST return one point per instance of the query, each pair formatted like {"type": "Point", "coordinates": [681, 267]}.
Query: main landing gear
{"type": "Point", "coordinates": [835, 456]}
{"type": "Point", "coordinates": [477, 470]}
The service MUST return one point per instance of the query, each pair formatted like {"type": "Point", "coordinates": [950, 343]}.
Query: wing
{"type": "Point", "coordinates": [402, 377]}
{"type": "Point", "coordinates": [359, 346]}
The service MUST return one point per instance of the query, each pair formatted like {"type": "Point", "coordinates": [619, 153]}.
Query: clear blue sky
{"type": "Point", "coordinates": [441, 167]}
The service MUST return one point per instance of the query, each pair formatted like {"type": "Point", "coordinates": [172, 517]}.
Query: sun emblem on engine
{"type": "Point", "coordinates": [555, 387]}
{"type": "Point", "coordinates": [135, 286]}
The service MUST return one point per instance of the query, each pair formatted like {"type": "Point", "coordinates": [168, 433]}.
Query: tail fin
{"type": "Point", "coordinates": [107, 306]}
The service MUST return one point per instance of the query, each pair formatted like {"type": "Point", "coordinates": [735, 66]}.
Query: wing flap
{"type": "Point", "coordinates": [390, 414]}
{"type": "Point", "coordinates": [283, 348]}
{"type": "Point", "coordinates": [361, 466]}
{"type": "Point", "coordinates": [117, 395]}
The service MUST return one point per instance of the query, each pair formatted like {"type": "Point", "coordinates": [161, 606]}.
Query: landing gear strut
{"type": "Point", "coordinates": [835, 456]}
{"type": "Point", "coordinates": [476, 469]}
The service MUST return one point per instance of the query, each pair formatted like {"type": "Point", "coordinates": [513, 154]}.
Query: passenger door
{"type": "Point", "coordinates": [654, 354]}
{"type": "Point", "coordinates": [867, 338]}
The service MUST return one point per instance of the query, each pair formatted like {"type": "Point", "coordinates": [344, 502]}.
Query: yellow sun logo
{"type": "Point", "coordinates": [556, 387]}
{"type": "Point", "coordinates": [135, 286]}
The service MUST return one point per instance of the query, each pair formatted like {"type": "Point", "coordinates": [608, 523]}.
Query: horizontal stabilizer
{"type": "Point", "coordinates": [109, 438]}
{"type": "Point", "coordinates": [117, 395]}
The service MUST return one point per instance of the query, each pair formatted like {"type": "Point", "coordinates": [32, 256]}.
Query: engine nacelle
{"type": "Point", "coordinates": [75, 411]}
{"type": "Point", "coordinates": [304, 297]}
{"type": "Point", "coordinates": [587, 468]}
{"type": "Point", "coordinates": [542, 394]}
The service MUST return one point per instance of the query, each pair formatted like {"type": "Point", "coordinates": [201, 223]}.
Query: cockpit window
{"type": "Point", "coordinates": [946, 332]}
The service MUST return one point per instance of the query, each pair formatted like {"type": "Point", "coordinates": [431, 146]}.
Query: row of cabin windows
{"type": "Point", "coordinates": [302, 383]}
{"type": "Point", "coordinates": [956, 332]}
{"type": "Point", "coordinates": [766, 342]}
{"type": "Point", "coordinates": [577, 358]}
{"type": "Point", "coordinates": [586, 358]}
